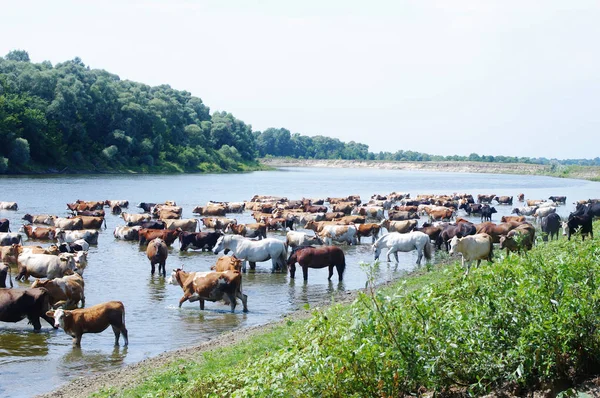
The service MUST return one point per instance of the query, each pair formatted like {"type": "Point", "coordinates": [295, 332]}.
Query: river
{"type": "Point", "coordinates": [33, 363]}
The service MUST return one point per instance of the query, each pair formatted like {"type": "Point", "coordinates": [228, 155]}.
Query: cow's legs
{"type": "Point", "coordinates": [152, 270]}
{"type": "Point", "coordinates": [35, 321]}
{"type": "Point", "coordinates": [183, 300]}
{"type": "Point", "coordinates": [252, 265]}
{"type": "Point", "coordinates": [244, 299]}
{"type": "Point", "coordinates": [164, 270]}
{"type": "Point", "coordinates": [201, 304]}
{"type": "Point", "coordinates": [77, 340]}
{"type": "Point", "coordinates": [305, 272]}
{"type": "Point", "coordinates": [117, 333]}
{"type": "Point", "coordinates": [331, 272]}
{"type": "Point", "coordinates": [232, 301]}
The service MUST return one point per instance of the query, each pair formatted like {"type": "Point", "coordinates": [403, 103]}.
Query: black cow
{"type": "Point", "coordinates": [558, 199]}
{"type": "Point", "coordinates": [471, 208]}
{"type": "Point", "coordinates": [486, 212]}
{"type": "Point", "coordinates": [147, 207]}
{"type": "Point", "coordinates": [18, 304]}
{"type": "Point", "coordinates": [460, 231]}
{"type": "Point", "coordinates": [550, 226]}
{"type": "Point", "coordinates": [4, 225]}
{"type": "Point", "coordinates": [154, 224]}
{"type": "Point", "coordinates": [582, 223]}
{"type": "Point", "coordinates": [70, 247]}
{"type": "Point", "coordinates": [4, 271]}
{"type": "Point", "coordinates": [198, 240]}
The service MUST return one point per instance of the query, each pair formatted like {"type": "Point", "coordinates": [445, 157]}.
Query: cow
{"type": "Point", "coordinates": [210, 210]}
{"type": "Point", "coordinates": [89, 235]}
{"type": "Point", "coordinates": [496, 230]}
{"type": "Point", "coordinates": [45, 265]}
{"type": "Point", "coordinates": [145, 206]}
{"type": "Point", "coordinates": [558, 199]}
{"type": "Point", "coordinates": [542, 212]}
{"type": "Point", "coordinates": [4, 272]}
{"type": "Point", "coordinates": [582, 224]}
{"type": "Point", "coordinates": [370, 229]}
{"type": "Point", "coordinates": [512, 218]}
{"type": "Point", "coordinates": [433, 231]}
{"type": "Point", "coordinates": [135, 219]}
{"type": "Point", "coordinates": [374, 212]}
{"type": "Point", "coordinates": [402, 215]}
{"type": "Point", "coordinates": [9, 254]}
{"type": "Point", "coordinates": [71, 224]}
{"type": "Point", "coordinates": [124, 204]}
{"type": "Point", "coordinates": [169, 236]}
{"type": "Point", "coordinates": [94, 319]}
{"type": "Point", "coordinates": [520, 238]}
{"type": "Point", "coordinates": [168, 215]}
{"type": "Point", "coordinates": [275, 224]}
{"type": "Point", "coordinates": [18, 304]}
{"type": "Point", "coordinates": [473, 247]}
{"type": "Point", "coordinates": [127, 233]}
{"type": "Point", "coordinates": [485, 198]}
{"type": "Point", "coordinates": [198, 241]}
{"type": "Point", "coordinates": [38, 233]}
{"type": "Point", "coordinates": [399, 226]}
{"type": "Point", "coordinates": [534, 202]}
{"type": "Point", "coordinates": [73, 247]}
{"type": "Point", "coordinates": [338, 233]}
{"type": "Point", "coordinates": [227, 263]}
{"type": "Point", "coordinates": [210, 286]}
{"type": "Point", "coordinates": [504, 200]}
{"type": "Point", "coordinates": [344, 207]}
{"type": "Point", "coordinates": [524, 211]}
{"type": "Point", "coordinates": [486, 212]}
{"type": "Point", "coordinates": [36, 219]}
{"type": "Point", "coordinates": [10, 238]}
{"type": "Point", "coordinates": [351, 219]}
{"type": "Point", "coordinates": [188, 224]}
{"type": "Point", "coordinates": [92, 222]}
{"type": "Point", "coordinates": [65, 292]}
{"type": "Point", "coordinates": [295, 239]}
{"type": "Point", "coordinates": [116, 210]}
{"type": "Point", "coordinates": [332, 215]}
{"type": "Point", "coordinates": [318, 226]}
{"type": "Point", "coordinates": [255, 230]}
{"type": "Point", "coordinates": [449, 232]}
{"type": "Point", "coordinates": [152, 224]}
{"type": "Point", "coordinates": [440, 214]}
{"type": "Point", "coordinates": [268, 198]}
{"type": "Point", "coordinates": [550, 224]}
{"type": "Point", "coordinates": [91, 213]}
{"type": "Point", "coordinates": [592, 209]}
{"type": "Point", "coordinates": [314, 209]}
{"type": "Point", "coordinates": [52, 249]}
{"type": "Point", "coordinates": [4, 225]}
{"type": "Point", "coordinates": [471, 208]}
{"type": "Point", "coordinates": [157, 252]}
{"type": "Point", "coordinates": [217, 223]}
{"type": "Point", "coordinates": [9, 206]}
{"type": "Point", "coordinates": [521, 197]}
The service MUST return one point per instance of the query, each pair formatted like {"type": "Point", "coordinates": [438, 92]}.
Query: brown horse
{"type": "Point", "coordinates": [317, 257]}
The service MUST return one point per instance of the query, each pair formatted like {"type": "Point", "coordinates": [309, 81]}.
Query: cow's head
{"type": "Point", "coordinates": [59, 317]}
{"type": "Point", "coordinates": [453, 244]}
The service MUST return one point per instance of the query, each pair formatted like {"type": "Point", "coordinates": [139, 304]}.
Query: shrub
{"type": "Point", "coordinates": [110, 152]}
{"type": "Point", "coordinates": [19, 154]}
{"type": "Point", "coordinates": [3, 164]}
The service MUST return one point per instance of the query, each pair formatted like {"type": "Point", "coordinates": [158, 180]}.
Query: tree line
{"type": "Point", "coordinates": [70, 117]}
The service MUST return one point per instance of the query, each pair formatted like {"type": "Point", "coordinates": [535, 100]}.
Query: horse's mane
{"type": "Point", "coordinates": [297, 248]}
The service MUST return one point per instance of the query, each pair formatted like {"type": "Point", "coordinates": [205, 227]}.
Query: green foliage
{"type": "Point", "coordinates": [18, 56]}
{"type": "Point", "coordinates": [521, 323]}
{"type": "Point", "coordinates": [3, 164]}
{"type": "Point", "coordinates": [19, 153]}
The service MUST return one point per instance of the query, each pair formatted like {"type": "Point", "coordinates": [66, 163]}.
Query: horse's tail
{"type": "Point", "coordinates": [491, 253]}
{"type": "Point", "coordinates": [283, 260]}
{"type": "Point", "coordinates": [427, 249]}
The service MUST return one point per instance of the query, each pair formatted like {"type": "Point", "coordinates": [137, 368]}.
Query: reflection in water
{"type": "Point", "coordinates": [77, 360]}
{"type": "Point", "coordinates": [157, 288]}
{"type": "Point", "coordinates": [23, 343]}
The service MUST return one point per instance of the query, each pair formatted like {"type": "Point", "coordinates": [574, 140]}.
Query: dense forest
{"type": "Point", "coordinates": [70, 118]}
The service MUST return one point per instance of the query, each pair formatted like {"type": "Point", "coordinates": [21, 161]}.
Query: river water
{"type": "Point", "coordinates": [33, 363]}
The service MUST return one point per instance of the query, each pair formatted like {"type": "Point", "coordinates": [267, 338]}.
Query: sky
{"type": "Point", "coordinates": [494, 77]}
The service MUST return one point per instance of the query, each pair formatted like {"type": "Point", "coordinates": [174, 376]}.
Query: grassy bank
{"type": "Point", "coordinates": [580, 172]}
{"type": "Point", "coordinates": [520, 324]}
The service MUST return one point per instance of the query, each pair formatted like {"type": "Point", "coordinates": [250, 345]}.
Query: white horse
{"type": "Point", "coordinates": [396, 242]}
{"type": "Point", "coordinates": [254, 251]}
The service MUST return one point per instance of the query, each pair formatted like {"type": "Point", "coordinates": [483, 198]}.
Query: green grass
{"type": "Point", "coordinates": [521, 323]}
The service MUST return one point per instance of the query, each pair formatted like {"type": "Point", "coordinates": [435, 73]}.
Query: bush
{"type": "Point", "coordinates": [110, 152]}
{"type": "Point", "coordinates": [3, 164]}
{"type": "Point", "coordinates": [19, 154]}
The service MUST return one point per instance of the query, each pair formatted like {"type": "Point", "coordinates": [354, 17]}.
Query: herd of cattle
{"type": "Point", "coordinates": [59, 288]}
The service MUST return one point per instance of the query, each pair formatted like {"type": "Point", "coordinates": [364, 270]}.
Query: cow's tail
{"type": "Point", "coordinates": [104, 221]}
{"type": "Point", "coordinates": [427, 249]}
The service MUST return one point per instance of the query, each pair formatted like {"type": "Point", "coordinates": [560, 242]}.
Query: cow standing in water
{"type": "Point", "coordinates": [157, 253]}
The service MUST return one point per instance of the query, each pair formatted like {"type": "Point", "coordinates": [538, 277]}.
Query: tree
{"type": "Point", "coordinates": [19, 154]}
{"type": "Point", "coordinates": [18, 55]}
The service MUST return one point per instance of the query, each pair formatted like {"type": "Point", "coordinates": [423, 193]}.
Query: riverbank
{"type": "Point", "coordinates": [580, 172]}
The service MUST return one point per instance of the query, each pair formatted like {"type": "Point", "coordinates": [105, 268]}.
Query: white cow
{"type": "Point", "coordinates": [45, 265]}
{"type": "Point", "coordinates": [524, 211]}
{"type": "Point", "coordinates": [9, 206]}
{"type": "Point", "coordinates": [135, 219]}
{"type": "Point", "coordinates": [89, 235]}
{"type": "Point", "coordinates": [127, 233]}
{"type": "Point", "coordinates": [338, 233]}
{"type": "Point", "coordinates": [542, 212]}
{"type": "Point", "coordinates": [295, 239]}
{"type": "Point", "coordinates": [473, 247]}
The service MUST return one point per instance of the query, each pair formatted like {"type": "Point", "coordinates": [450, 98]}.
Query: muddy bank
{"type": "Point", "coordinates": [581, 172]}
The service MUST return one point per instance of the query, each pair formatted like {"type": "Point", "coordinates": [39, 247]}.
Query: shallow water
{"type": "Point", "coordinates": [33, 363]}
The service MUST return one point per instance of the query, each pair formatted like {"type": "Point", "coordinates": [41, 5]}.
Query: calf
{"type": "Point", "coordinates": [67, 291]}
{"type": "Point", "coordinates": [486, 213]}
{"type": "Point", "coordinates": [473, 247]}
{"type": "Point", "coordinates": [92, 320]}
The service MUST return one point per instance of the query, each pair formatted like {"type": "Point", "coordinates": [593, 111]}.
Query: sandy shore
{"type": "Point", "coordinates": [587, 173]}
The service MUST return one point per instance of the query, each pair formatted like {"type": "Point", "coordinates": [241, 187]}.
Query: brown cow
{"type": "Point", "coordinates": [227, 263]}
{"type": "Point", "coordinates": [317, 226]}
{"type": "Point", "coordinates": [485, 198]}
{"type": "Point", "coordinates": [147, 234]}
{"type": "Point", "coordinates": [157, 252]}
{"type": "Point", "coordinates": [37, 218]}
{"type": "Point", "coordinates": [90, 222]}
{"type": "Point", "coordinates": [496, 230]}
{"type": "Point", "coordinates": [370, 229]}
{"type": "Point", "coordinates": [521, 197]}
{"type": "Point", "coordinates": [214, 210]}
{"type": "Point", "coordinates": [39, 233]}
{"type": "Point", "coordinates": [399, 226]}
{"type": "Point", "coordinates": [512, 218]}
{"type": "Point", "coordinates": [331, 216]}
{"type": "Point", "coordinates": [168, 215]}
{"type": "Point", "coordinates": [92, 320]}
{"type": "Point", "coordinates": [402, 215]}
{"type": "Point", "coordinates": [525, 240]}
{"type": "Point", "coordinates": [210, 286]}
{"type": "Point", "coordinates": [440, 214]}
{"type": "Point", "coordinates": [352, 219]}
{"type": "Point", "coordinates": [344, 207]}
{"type": "Point", "coordinates": [9, 254]}
{"type": "Point", "coordinates": [217, 223]}
{"type": "Point", "coordinates": [67, 291]}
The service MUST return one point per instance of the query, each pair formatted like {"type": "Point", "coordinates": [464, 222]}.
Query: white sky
{"type": "Point", "coordinates": [496, 77]}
